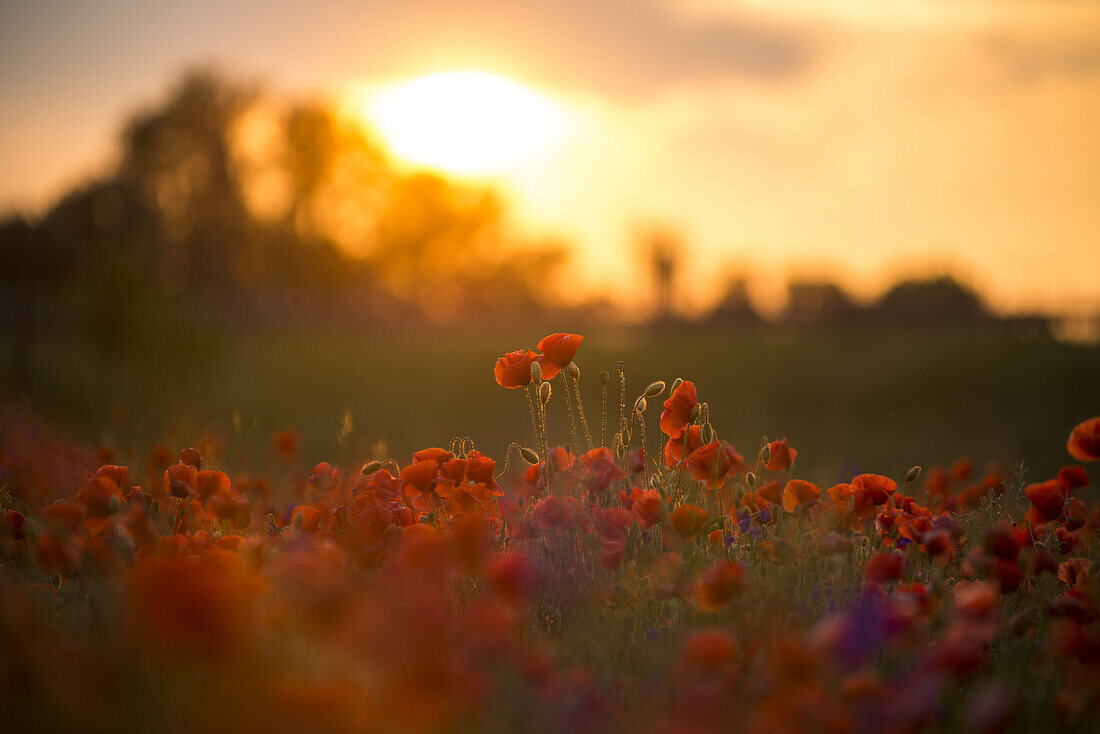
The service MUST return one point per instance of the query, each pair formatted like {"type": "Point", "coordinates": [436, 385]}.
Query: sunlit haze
{"type": "Point", "coordinates": [852, 140]}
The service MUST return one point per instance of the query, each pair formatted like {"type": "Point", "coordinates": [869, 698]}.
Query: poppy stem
{"type": "Point", "coordinates": [622, 398]}
{"type": "Point", "coordinates": [545, 441]}
{"type": "Point", "coordinates": [580, 411]}
{"type": "Point", "coordinates": [532, 408]}
{"type": "Point", "coordinates": [603, 409]}
{"type": "Point", "coordinates": [572, 419]}
{"type": "Point", "coordinates": [440, 518]}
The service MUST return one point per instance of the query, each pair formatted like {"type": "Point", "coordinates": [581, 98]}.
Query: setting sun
{"type": "Point", "coordinates": [466, 122]}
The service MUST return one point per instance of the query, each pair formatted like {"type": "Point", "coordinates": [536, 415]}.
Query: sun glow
{"type": "Point", "coordinates": [465, 122]}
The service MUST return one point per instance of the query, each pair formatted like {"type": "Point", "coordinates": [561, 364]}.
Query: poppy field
{"type": "Point", "coordinates": [641, 575]}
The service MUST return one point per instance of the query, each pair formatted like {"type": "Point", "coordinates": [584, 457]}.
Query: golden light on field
{"type": "Point", "coordinates": [465, 122]}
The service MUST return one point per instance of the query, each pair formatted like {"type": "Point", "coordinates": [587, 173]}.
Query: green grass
{"type": "Point", "coordinates": [880, 399]}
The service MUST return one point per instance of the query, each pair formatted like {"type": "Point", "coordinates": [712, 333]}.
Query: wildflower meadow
{"type": "Point", "coordinates": [618, 567]}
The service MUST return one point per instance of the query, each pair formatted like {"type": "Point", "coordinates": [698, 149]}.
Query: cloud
{"type": "Point", "coordinates": [619, 46]}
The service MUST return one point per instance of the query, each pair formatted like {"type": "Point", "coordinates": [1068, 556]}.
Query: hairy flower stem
{"type": "Point", "coordinates": [603, 413]}
{"type": "Point", "coordinates": [580, 411]}
{"type": "Point", "coordinates": [545, 443]}
{"type": "Point", "coordinates": [572, 418]}
{"type": "Point", "coordinates": [533, 408]}
{"type": "Point", "coordinates": [622, 398]}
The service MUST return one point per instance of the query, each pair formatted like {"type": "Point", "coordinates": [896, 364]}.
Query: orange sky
{"type": "Point", "coordinates": [856, 138]}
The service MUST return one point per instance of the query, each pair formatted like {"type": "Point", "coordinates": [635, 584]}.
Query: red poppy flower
{"type": "Point", "coordinates": [286, 443]}
{"type": "Point", "coordinates": [707, 651]}
{"type": "Point", "coordinates": [677, 412]}
{"type": "Point", "coordinates": [884, 567]}
{"type": "Point", "coordinates": [1047, 501]}
{"type": "Point", "coordinates": [976, 599]}
{"type": "Point", "coordinates": [202, 607]}
{"type": "Point", "coordinates": [99, 496]}
{"type": "Point", "coordinates": [709, 464]}
{"type": "Point", "coordinates": [600, 469]}
{"type": "Point", "coordinates": [646, 506]}
{"type": "Point", "coordinates": [479, 469]}
{"type": "Point", "coordinates": [719, 584]}
{"type": "Point", "coordinates": [225, 504]}
{"type": "Point", "coordinates": [1084, 440]}
{"type": "Point", "coordinates": [514, 578]}
{"type": "Point", "coordinates": [437, 455]}
{"type": "Point", "coordinates": [179, 480]}
{"type": "Point", "coordinates": [208, 482]}
{"type": "Point", "coordinates": [799, 492]}
{"type": "Point", "coordinates": [14, 524]}
{"type": "Point", "coordinates": [610, 523]}
{"type": "Point", "coordinates": [770, 492]}
{"type": "Point", "coordinates": [688, 520]}
{"type": "Point", "coordinates": [675, 449]}
{"type": "Point", "coordinates": [840, 492]}
{"type": "Point", "coordinates": [193, 457]}
{"type": "Point", "coordinates": [419, 483]}
{"type": "Point", "coordinates": [758, 507]}
{"type": "Point", "coordinates": [782, 456]}
{"type": "Point", "coordinates": [557, 352]}
{"type": "Point", "coordinates": [469, 541]}
{"type": "Point", "coordinates": [556, 512]}
{"type": "Point", "coordinates": [514, 369]}
{"type": "Point", "coordinates": [873, 487]}
{"type": "Point", "coordinates": [1000, 540]}
{"type": "Point", "coordinates": [610, 554]}
{"type": "Point", "coordinates": [65, 513]}
{"type": "Point", "coordinates": [1073, 477]}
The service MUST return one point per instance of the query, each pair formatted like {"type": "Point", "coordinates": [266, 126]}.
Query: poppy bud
{"type": "Point", "coordinates": [766, 453]}
{"type": "Point", "coordinates": [750, 479]}
{"type": "Point", "coordinates": [371, 467]}
{"type": "Point", "coordinates": [912, 475]}
{"type": "Point", "coordinates": [676, 383]}
{"type": "Point", "coordinates": [706, 435]}
{"type": "Point", "coordinates": [536, 372]}
{"type": "Point", "coordinates": [544, 392]}
{"type": "Point", "coordinates": [528, 455]}
{"type": "Point", "coordinates": [640, 405]}
{"type": "Point", "coordinates": [155, 507]}
{"type": "Point", "coordinates": [655, 389]}
{"type": "Point", "coordinates": [626, 437]}
{"type": "Point", "coordinates": [573, 370]}
{"type": "Point", "coordinates": [695, 413]}
{"type": "Point", "coordinates": [605, 376]}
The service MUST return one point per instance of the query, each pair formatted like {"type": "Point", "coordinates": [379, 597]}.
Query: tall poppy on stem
{"type": "Point", "coordinates": [677, 412]}
{"type": "Point", "coordinates": [514, 369]}
{"type": "Point", "coordinates": [557, 352]}
{"type": "Point", "coordinates": [781, 456]}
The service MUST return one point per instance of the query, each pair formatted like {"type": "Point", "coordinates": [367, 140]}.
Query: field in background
{"type": "Point", "coordinates": [878, 399]}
